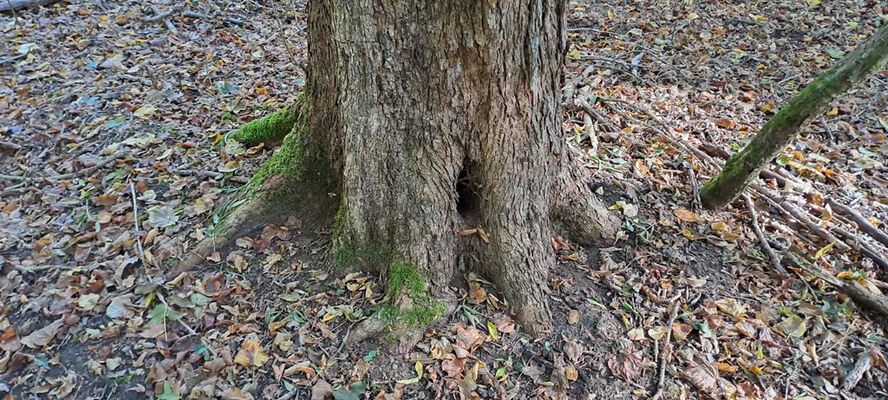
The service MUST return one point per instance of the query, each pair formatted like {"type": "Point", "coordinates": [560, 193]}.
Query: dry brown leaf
{"type": "Point", "coordinates": [685, 215]}
{"type": "Point", "coordinates": [703, 376]}
{"type": "Point", "coordinates": [571, 373]}
{"type": "Point", "coordinates": [42, 336]}
{"type": "Point", "coordinates": [573, 317]}
{"type": "Point", "coordinates": [321, 390]}
{"type": "Point", "coordinates": [9, 341]}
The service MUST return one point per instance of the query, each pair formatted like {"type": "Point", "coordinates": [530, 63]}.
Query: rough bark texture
{"type": "Point", "coordinates": [781, 129]}
{"type": "Point", "coordinates": [413, 100]}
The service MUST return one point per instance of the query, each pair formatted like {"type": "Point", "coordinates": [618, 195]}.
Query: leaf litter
{"type": "Point", "coordinates": [87, 311]}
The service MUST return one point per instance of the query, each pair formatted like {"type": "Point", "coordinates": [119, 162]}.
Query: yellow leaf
{"type": "Point", "coordinates": [833, 112]}
{"type": "Point", "coordinates": [767, 107]}
{"type": "Point", "coordinates": [813, 3]}
{"type": "Point", "coordinates": [824, 250]}
{"type": "Point", "coordinates": [494, 333]}
{"type": "Point", "coordinates": [846, 275]}
{"type": "Point", "coordinates": [719, 226]}
{"type": "Point", "coordinates": [418, 368]}
{"type": "Point", "coordinates": [250, 354]}
{"type": "Point", "coordinates": [726, 367]}
{"type": "Point", "coordinates": [687, 233]}
{"type": "Point", "coordinates": [145, 111]}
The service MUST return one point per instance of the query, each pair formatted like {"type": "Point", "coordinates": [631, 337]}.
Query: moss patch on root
{"type": "Point", "coordinates": [421, 308]}
{"type": "Point", "coordinates": [268, 129]}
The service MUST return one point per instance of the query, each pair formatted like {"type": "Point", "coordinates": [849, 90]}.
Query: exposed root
{"type": "Point", "coordinates": [402, 333]}
{"type": "Point", "coordinates": [577, 212]}
{"type": "Point", "coordinates": [528, 300]}
{"type": "Point", "coordinates": [244, 216]}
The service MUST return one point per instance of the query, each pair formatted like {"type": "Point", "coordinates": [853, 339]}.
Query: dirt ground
{"type": "Point", "coordinates": [107, 111]}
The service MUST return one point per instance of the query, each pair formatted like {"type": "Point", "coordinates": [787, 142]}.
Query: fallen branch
{"type": "Point", "coordinates": [4, 145]}
{"type": "Point", "coordinates": [863, 364]}
{"type": "Point", "coordinates": [13, 5]}
{"type": "Point", "coordinates": [85, 171]}
{"type": "Point", "coordinates": [158, 15]}
{"type": "Point", "coordinates": [817, 229]}
{"type": "Point", "coordinates": [661, 375]}
{"type": "Point", "coordinates": [861, 295]}
{"type": "Point", "coordinates": [136, 221]}
{"type": "Point", "coordinates": [858, 219]}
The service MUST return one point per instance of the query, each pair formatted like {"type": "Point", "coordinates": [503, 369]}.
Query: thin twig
{"type": "Point", "coordinates": [775, 261]}
{"type": "Point", "coordinates": [41, 268]}
{"type": "Point", "coordinates": [136, 221]}
{"type": "Point", "coordinates": [85, 171]}
{"type": "Point", "coordinates": [695, 188]}
{"type": "Point", "coordinates": [661, 375]}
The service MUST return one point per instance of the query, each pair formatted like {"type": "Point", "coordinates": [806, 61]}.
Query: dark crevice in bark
{"type": "Point", "coordinates": [468, 201]}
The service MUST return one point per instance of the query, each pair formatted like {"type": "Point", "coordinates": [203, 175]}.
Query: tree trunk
{"type": "Point", "coordinates": [781, 129]}
{"type": "Point", "coordinates": [430, 120]}
{"type": "Point", "coordinates": [442, 117]}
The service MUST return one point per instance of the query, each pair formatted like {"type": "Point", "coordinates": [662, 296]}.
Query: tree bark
{"type": "Point", "coordinates": [428, 120]}
{"type": "Point", "coordinates": [781, 129]}
{"type": "Point", "coordinates": [441, 117]}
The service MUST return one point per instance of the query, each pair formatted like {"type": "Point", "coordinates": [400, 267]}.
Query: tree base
{"type": "Point", "coordinates": [411, 227]}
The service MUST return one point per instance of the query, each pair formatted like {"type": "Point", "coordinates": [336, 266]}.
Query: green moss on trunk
{"type": "Point", "coordinates": [271, 128]}
{"type": "Point", "coordinates": [416, 307]}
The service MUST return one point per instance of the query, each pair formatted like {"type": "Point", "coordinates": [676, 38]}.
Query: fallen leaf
{"type": "Point", "coordinates": [250, 354]}
{"type": "Point", "coordinates": [685, 215]}
{"type": "Point", "coordinates": [321, 390]}
{"type": "Point", "coordinates": [731, 307]}
{"type": "Point", "coordinates": [793, 326]}
{"type": "Point", "coordinates": [145, 111]}
{"type": "Point", "coordinates": [571, 373]}
{"type": "Point", "coordinates": [9, 341]}
{"type": "Point", "coordinates": [573, 317]}
{"type": "Point", "coordinates": [88, 301]}
{"type": "Point", "coordinates": [121, 307]}
{"type": "Point", "coordinates": [418, 368]}
{"type": "Point", "coordinates": [42, 336]}
{"type": "Point", "coordinates": [703, 376]}
{"type": "Point", "coordinates": [725, 123]}
{"type": "Point", "coordinates": [680, 331]}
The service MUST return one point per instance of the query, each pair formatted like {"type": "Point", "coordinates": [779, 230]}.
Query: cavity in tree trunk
{"type": "Point", "coordinates": [429, 119]}
{"type": "Point", "coordinates": [782, 128]}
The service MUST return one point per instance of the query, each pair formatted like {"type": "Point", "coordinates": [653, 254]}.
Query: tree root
{"type": "Point", "coordinates": [577, 211]}
{"type": "Point", "coordinates": [243, 217]}
{"type": "Point", "coordinates": [403, 334]}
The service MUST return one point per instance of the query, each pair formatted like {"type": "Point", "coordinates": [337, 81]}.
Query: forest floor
{"type": "Point", "coordinates": [109, 109]}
